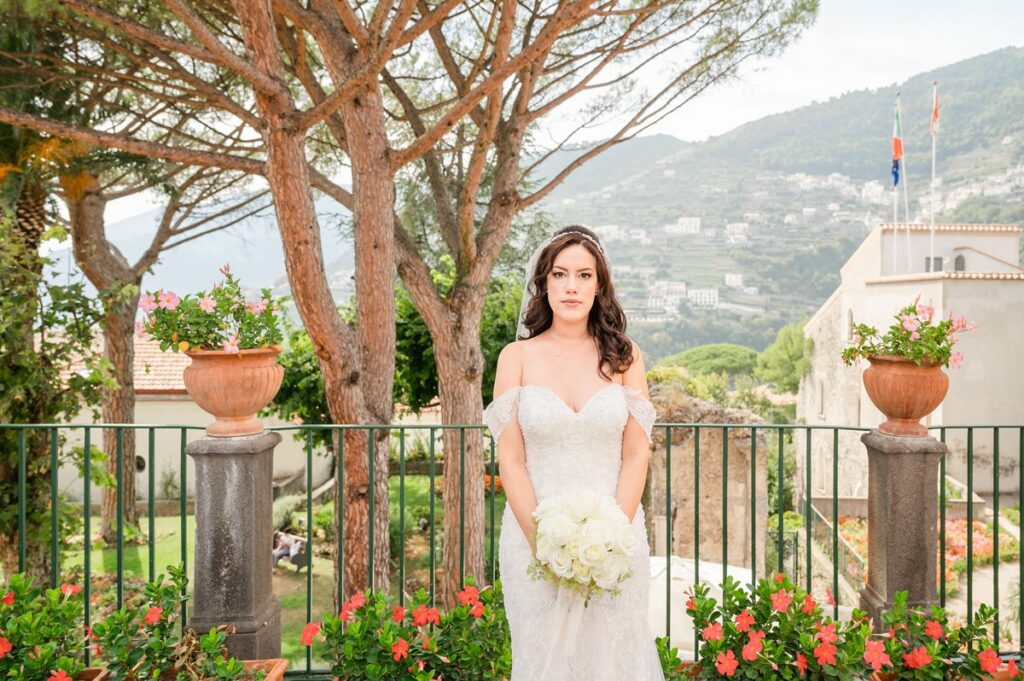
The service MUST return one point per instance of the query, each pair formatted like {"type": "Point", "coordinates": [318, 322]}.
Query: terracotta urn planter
{"type": "Point", "coordinates": [93, 674]}
{"type": "Point", "coordinates": [274, 668]}
{"type": "Point", "coordinates": [233, 387]}
{"type": "Point", "coordinates": [904, 392]}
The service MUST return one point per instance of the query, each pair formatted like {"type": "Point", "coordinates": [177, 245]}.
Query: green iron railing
{"type": "Point", "coordinates": [782, 436]}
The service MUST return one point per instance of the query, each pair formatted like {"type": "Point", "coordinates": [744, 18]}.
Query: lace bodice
{"type": "Point", "coordinates": [568, 451]}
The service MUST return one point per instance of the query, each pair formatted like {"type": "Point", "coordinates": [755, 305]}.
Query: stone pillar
{"type": "Point", "coordinates": [234, 537]}
{"type": "Point", "coordinates": [902, 515]}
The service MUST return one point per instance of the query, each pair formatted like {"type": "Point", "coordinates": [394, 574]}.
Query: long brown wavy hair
{"type": "Point", "coordinates": [607, 321]}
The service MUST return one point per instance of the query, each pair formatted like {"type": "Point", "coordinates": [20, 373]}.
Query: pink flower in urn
{"type": "Point", "coordinates": [910, 323]}
{"type": "Point", "coordinates": [925, 312]}
{"type": "Point", "coordinates": [140, 329]}
{"type": "Point", "coordinates": [956, 359]}
{"type": "Point", "coordinates": [230, 346]}
{"type": "Point", "coordinates": [206, 304]}
{"type": "Point", "coordinates": [256, 306]}
{"type": "Point", "coordinates": [147, 303]}
{"type": "Point", "coordinates": [168, 300]}
{"type": "Point", "coordinates": [915, 335]}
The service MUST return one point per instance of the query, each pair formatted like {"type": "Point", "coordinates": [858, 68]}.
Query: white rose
{"type": "Point", "coordinates": [593, 545]}
{"type": "Point", "coordinates": [558, 529]}
{"type": "Point", "coordinates": [561, 564]}
{"type": "Point", "coordinates": [545, 548]}
{"type": "Point", "coordinates": [607, 576]}
{"type": "Point", "coordinates": [581, 571]}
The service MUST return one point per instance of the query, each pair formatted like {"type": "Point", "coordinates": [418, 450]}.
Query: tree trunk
{"type": "Point", "coordinates": [119, 407]}
{"type": "Point", "coordinates": [459, 370]}
{"type": "Point", "coordinates": [109, 271]}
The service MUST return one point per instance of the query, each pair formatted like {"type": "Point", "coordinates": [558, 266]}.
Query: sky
{"type": "Point", "coordinates": [854, 44]}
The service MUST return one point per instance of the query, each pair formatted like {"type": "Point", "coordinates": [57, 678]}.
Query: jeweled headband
{"type": "Point", "coordinates": [581, 234]}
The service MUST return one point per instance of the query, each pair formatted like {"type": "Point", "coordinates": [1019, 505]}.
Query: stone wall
{"type": "Point", "coordinates": [674, 405]}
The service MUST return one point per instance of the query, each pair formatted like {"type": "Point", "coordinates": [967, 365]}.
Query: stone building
{"type": "Point", "coordinates": [971, 270]}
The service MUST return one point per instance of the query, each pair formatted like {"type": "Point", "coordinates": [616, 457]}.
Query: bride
{"type": "Point", "coordinates": [571, 414]}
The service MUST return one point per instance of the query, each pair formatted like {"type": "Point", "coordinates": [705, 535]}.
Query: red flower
{"type": "Point", "coordinates": [781, 600]}
{"type": "Point", "coordinates": [400, 649]}
{"type": "Point", "coordinates": [754, 646]}
{"type": "Point", "coordinates": [309, 632]}
{"type": "Point", "coordinates": [59, 675]}
{"type": "Point", "coordinates": [713, 632]}
{"type": "Point", "coordinates": [809, 605]}
{"type": "Point", "coordinates": [917, 659]}
{"type": "Point", "coordinates": [690, 605]}
{"type": "Point", "coordinates": [779, 577]}
{"type": "Point", "coordinates": [5, 647]}
{"type": "Point", "coordinates": [826, 633]}
{"type": "Point", "coordinates": [875, 655]}
{"type": "Point", "coordinates": [346, 612]}
{"type": "Point", "coordinates": [358, 600]}
{"type": "Point", "coordinates": [154, 615]}
{"type": "Point", "coordinates": [1011, 669]}
{"type": "Point", "coordinates": [70, 589]}
{"type": "Point", "coordinates": [801, 663]}
{"type": "Point", "coordinates": [398, 614]}
{"type": "Point", "coordinates": [934, 629]}
{"type": "Point", "coordinates": [424, 615]}
{"type": "Point", "coordinates": [477, 610]}
{"type": "Point", "coordinates": [989, 660]}
{"type": "Point", "coordinates": [743, 621]}
{"type": "Point", "coordinates": [469, 595]}
{"type": "Point", "coordinates": [8, 598]}
{"type": "Point", "coordinates": [828, 596]}
{"type": "Point", "coordinates": [726, 663]}
{"type": "Point", "coordinates": [825, 653]}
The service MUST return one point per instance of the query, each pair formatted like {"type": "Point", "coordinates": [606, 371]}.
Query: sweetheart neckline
{"type": "Point", "coordinates": [566, 404]}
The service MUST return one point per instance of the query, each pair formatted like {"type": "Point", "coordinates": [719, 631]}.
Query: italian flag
{"type": "Point", "coordinates": [897, 146]}
{"type": "Point", "coordinates": [935, 110]}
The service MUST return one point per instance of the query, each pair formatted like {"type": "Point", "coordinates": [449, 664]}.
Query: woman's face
{"type": "Point", "coordinates": [572, 284]}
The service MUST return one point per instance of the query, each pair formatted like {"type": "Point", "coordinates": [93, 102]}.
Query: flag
{"type": "Point", "coordinates": [935, 109]}
{"type": "Point", "coordinates": [897, 146]}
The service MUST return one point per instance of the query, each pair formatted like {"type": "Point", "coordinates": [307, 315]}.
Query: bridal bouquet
{"type": "Point", "coordinates": [584, 542]}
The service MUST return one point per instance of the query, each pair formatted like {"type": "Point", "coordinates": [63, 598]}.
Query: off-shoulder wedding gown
{"type": "Point", "coordinates": [568, 451]}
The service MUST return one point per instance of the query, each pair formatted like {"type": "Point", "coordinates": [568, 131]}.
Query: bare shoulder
{"type": "Point", "coordinates": [509, 370]}
{"type": "Point", "coordinates": [636, 375]}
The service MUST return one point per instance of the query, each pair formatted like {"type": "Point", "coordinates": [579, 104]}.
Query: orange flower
{"type": "Point", "coordinates": [400, 649]}
{"type": "Point", "coordinates": [398, 614]}
{"type": "Point", "coordinates": [5, 647]}
{"type": "Point", "coordinates": [59, 675]}
{"type": "Point", "coordinates": [309, 633]}
{"type": "Point", "coordinates": [754, 646]}
{"type": "Point", "coordinates": [781, 600]}
{"type": "Point", "coordinates": [469, 595]}
{"type": "Point", "coordinates": [825, 653]}
{"type": "Point", "coordinates": [423, 615]}
{"type": "Point", "coordinates": [875, 655]}
{"type": "Point", "coordinates": [726, 663]}
{"type": "Point", "coordinates": [743, 621]}
{"type": "Point", "coordinates": [989, 660]}
{"type": "Point", "coordinates": [477, 610]}
{"type": "Point", "coordinates": [917, 659]}
{"type": "Point", "coordinates": [154, 615]}
{"type": "Point", "coordinates": [358, 600]}
{"type": "Point", "coordinates": [70, 589]}
{"type": "Point", "coordinates": [933, 628]}
{"type": "Point", "coordinates": [809, 605]}
{"type": "Point", "coordinates": [713, 632]}
{"type": "Point", "coordinates": [801, 663]}
{"type": "Point", "coordinates": [8, 598]}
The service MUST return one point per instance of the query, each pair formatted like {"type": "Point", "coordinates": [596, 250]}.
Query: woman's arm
{"type": "Point", "coordinates": [635, 446]}
{"type": "Point", "coordinates": [511, 450]}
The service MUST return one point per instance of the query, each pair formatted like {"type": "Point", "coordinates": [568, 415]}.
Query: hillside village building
{"type": "Point", "coordinates": [974, 273]}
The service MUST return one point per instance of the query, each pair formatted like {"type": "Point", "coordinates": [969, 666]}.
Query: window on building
{"type": "Point", "coordinates": [821, 399]}
{"type": "Point", "coordinates": [932, 264]}
{"type": "Point", "coordinates": [849, 325]}
{"type": "Point", "coordinates": [960, 263]}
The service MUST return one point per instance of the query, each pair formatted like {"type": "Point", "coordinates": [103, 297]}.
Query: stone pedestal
{"type": "Point", "coordinates": [234, 536]}
{"type": "Point", "coordinates": [903, 509]}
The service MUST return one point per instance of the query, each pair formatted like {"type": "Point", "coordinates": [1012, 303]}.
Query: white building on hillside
{"type": "Point", "coordinates": [684, 225]}
{"type": "Point", "coordinates": [975, 275]}
{"type": "Point", "coordinates": [704, 298]}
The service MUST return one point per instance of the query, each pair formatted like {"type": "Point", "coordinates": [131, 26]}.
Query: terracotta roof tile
{"type": "Point", "coordinates": [156, 371]}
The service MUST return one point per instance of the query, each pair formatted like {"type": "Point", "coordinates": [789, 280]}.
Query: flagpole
{"type": "Point", "coordinates": [934, 130]}
{"type": "Point", "coordinates": [906, 193]}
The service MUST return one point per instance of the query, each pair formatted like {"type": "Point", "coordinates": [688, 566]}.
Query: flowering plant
{"type": "Point", "coordinates": [584, 542]}
{"type": "Point", "coordinates": [373, 637]}
{"type": "Point", "coordinates": [915, 335]}
{"type": "Point", "coordinates": [140, 642]}
{"type": "Point", "coordinates": [921, 645]}
{"type": "Point", "coordinates": [223, 319]}
{"type": "Point", "coordinates": [775, 631]}
{"type": "Point", "coordinates": [40, 631]}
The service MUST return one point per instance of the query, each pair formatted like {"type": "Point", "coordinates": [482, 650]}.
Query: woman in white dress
{"type": "Point", "coordinates": [571, 413]}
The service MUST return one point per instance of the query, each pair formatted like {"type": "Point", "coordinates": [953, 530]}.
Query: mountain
{"type": "Point", "coordinates": [982, 131]}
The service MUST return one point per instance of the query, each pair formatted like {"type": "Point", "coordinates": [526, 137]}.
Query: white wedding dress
{"type": "Point", "coordinates": [569, 451]}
